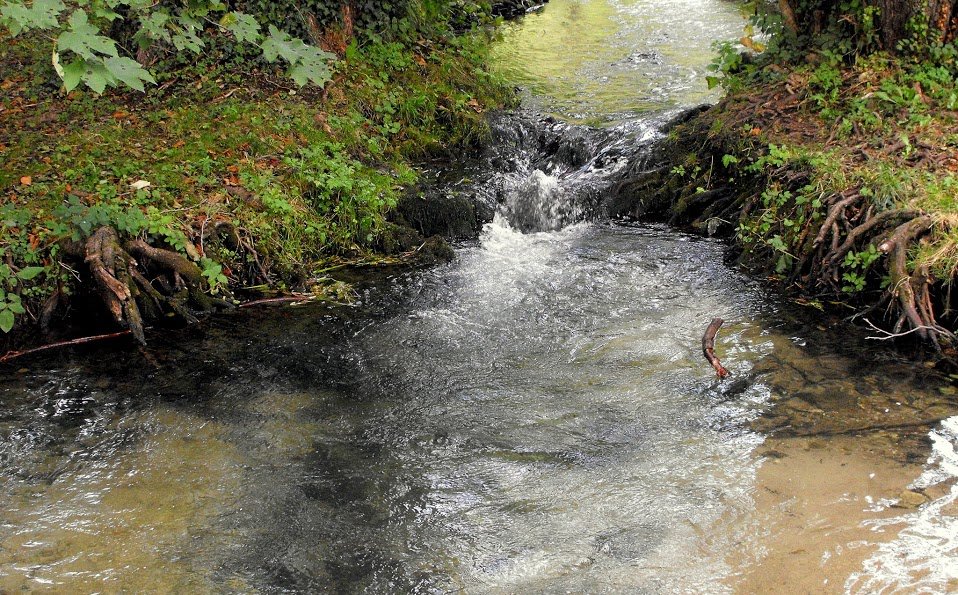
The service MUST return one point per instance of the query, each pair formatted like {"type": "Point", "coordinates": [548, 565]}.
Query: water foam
{"type": "Point", "coordinates": [924, 556]}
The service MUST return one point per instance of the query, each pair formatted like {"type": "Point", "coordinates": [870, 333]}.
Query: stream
{"type": "Point", "coordinates": [533, 417]}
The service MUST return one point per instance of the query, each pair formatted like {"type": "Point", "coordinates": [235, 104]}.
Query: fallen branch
{"type": "Point", "coordinates": [11, 355]}
{"type": "Point", "coordinates": [279, 300]}
{"type": "Point", "coordinates": [708, 347]}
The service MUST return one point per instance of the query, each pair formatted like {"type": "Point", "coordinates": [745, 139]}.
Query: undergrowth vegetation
{"type": "Point", "coordinates": [225, 173]}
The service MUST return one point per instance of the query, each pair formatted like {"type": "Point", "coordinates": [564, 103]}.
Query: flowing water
{"type": "Point", "coordinates": [535, 416]}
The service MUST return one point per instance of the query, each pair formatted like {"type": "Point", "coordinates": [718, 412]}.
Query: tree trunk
{"type": "Point", "coordinates": [892, 20]}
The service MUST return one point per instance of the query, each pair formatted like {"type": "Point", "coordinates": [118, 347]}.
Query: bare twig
{"type": "Point", "coordinates": [886, 335]}
{"type": "Point", "coordinates": [292, 299]}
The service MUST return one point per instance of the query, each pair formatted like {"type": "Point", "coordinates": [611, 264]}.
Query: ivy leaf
{"type": "Point", "coordinates": [42, 14]}
{"type": "Point", "coordinates": [6, 320]}
{"type": "Point", "coordinates": [83, 39]}
{"type": "Point", "coordinates": [129, 72]}
{"type": "Point", "coordinates": [243, 26]}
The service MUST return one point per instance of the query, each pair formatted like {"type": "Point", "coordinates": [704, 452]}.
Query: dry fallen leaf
{"type": "Point", "coordinates": [140, 185]}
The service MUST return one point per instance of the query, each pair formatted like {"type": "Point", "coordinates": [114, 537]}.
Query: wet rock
{"type": "Point", "coordinates": [909, 499]}
{"type": "Point", "coordinates": [435, 250]}
{"type": "Point", "coordinates": [509, 9]}
{"type": "Point", "coordinates": [774, 454]}
{"type": "Point", "coordinates": [397, 239]}
{"type": "Point", "coordinates": [449, 215]}
{"type": "Point", "coordinates": [801, 405]}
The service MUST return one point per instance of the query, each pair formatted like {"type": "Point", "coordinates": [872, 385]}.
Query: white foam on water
{"type": "Point", "coordinates": [923, 558]}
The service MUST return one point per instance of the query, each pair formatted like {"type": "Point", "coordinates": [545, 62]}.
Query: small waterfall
{"type": "Point", "coordinates": [539, 203]}
{"type": "Point", "coordinates": [544, 174]}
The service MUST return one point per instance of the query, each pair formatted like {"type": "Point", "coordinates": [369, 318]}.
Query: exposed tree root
{"type": "Point", "coordinates": [834, 212]}
{"type": "Point", "coordinates": [139, 281]}
{"type": "Point", "coordinates": [819, 267]}
{"type": "Point", "coordinates": [855, 235]}
{"type": "Point", "coordinates": [110, 266]}
{"type": "Point", "coordinates": [910, 289]}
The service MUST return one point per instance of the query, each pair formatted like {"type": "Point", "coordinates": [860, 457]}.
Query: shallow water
{"type": "Point", "coordinates": [534, 417]}
{"type": "Point", "coordinates": [599, 62]}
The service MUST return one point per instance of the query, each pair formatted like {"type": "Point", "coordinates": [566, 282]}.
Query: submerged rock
{"type": "Point", "coordinates": [910, 499]}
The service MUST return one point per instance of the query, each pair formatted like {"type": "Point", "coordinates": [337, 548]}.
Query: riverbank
{"type": "Point", "coordinates": [835, 182]}
{"type": "Point", "coordinates": [224, 183]}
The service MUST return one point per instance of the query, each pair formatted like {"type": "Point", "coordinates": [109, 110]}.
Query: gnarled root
{"type": "Point", "coordinates": [110, 266]}
{"type": "Point", "coordinates": [239, 241]}
{"type": "Point", "coordinates": [912, 289]}
{"type": "Point", "coordinates": [187, 278]}
{"type": "Point", "coordinates": [138, 279]}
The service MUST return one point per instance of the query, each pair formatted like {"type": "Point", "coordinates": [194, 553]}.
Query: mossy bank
{"type": "Point", "coordinates": [835, 180]}
{"type": "Point", "coordinates": [224, 182]}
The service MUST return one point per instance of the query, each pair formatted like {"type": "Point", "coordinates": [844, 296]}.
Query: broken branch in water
{"type": "Point", "coordinates": [708, 347]}
{"type": "Point", "coordinates": [11, 355]}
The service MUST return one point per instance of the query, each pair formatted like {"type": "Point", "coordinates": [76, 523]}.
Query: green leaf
{"type": "Point", "coordinates": [83, 39]}
{"type": "Point", "coordinates": [42, 14]}
{"type": "Point", "coordinates": [241, 25]}
{"type": "Point", "coordinates": [153, 27]}
{"type": "Point", "coordinates": [782, 265]}
{"type": "Point", "coordinates": [97, 77]}
{"type": "Point", "coordinates": [306, 63]}
{"type": "Point", "coordinates": [73, 73]}
{"type": "Point", "coordinates": [6, 320]}
{"type": "Point", "coordinates": [27, 273]}
{"type": "Point", "coordinates": [186, 39]}
{"type": "Point", "coordinates": [15, 306]}
{"type": "Point", "coordinates": [129, 72]}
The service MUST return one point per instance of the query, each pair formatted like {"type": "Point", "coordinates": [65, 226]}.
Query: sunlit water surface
{"type": "Point", "coordinates": [602, 61]}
